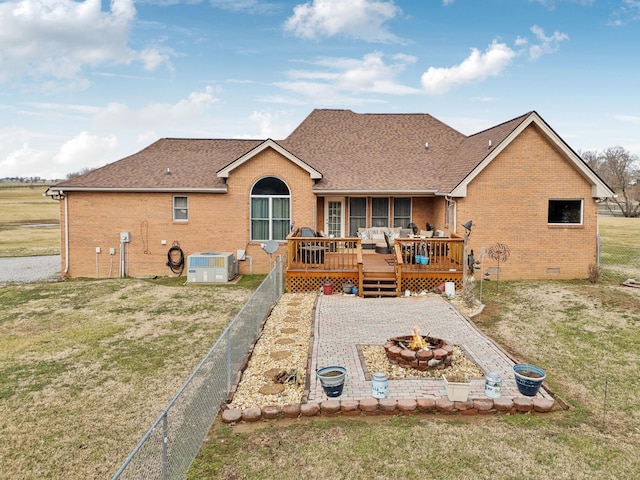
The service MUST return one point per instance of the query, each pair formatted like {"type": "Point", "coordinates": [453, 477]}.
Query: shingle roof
{"type": "Point", "coordinates": [354, 152]}
{"type": "Point", "coordinates": [192, 163]}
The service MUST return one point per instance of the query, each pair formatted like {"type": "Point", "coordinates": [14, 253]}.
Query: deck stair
{"type": "Point", "coordinates": [379, 277]}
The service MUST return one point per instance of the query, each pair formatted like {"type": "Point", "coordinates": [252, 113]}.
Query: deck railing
{"type": "Point", "coordinates": [313, 260]}
{"type": "Point", "coordinates": [322, 253]}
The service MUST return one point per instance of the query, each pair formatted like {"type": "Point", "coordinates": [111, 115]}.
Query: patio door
{"type": "Point", "coordinates": [334, 216]}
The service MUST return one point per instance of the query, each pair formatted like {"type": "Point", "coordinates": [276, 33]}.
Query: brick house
{"type": "Point", "coordinates": [338, 172]}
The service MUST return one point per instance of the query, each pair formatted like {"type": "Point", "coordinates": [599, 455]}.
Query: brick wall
{"type": "Point", "coordinates": [508, 203]}
{"type": "Point", "coordinates": [217, 222]}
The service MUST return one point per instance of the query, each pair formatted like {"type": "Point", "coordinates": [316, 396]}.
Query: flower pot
{"type": "Point", "coordinates": [457, 391]}
{"type": "Point", "coordinates": [332, 380]}
{"type": "Point", "coordinates": [528, 378]}
{"type": "Point", "coordinates": [347, 288]}
{"type": "Point", "coordinates": [327, 289]}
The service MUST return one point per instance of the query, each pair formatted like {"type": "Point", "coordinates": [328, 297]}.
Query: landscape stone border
{"type": "Point", "coordinates": [391, 407]}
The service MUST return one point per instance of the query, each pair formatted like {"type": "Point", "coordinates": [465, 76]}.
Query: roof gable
{"type": "Point", "coordinates": [494, 140]}
{"type": "Point", "coordinates": [224, 172]}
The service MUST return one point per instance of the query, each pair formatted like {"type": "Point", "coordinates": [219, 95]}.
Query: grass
{"type": "Point", "coordinates": [86, 366]}
{"type": "Point", "coordinates": [585, 336]}
{"type": "Point", "coordinates": [29, 222]}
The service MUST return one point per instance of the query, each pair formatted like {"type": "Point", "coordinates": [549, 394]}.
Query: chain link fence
{"type": "Point", "coordinates": [618, 262]}
{"type": "Point", "coordinates": [169, 447]}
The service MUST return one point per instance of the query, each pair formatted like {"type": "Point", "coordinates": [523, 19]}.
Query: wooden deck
{"type": "Point", "coordinates": [313, 261]}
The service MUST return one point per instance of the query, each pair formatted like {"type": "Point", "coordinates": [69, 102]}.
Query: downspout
{"type": "Point", "coordinates": [66, 232]}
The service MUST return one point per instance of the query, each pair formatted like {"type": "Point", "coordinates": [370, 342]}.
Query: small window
{"type": "Point", "coordinates": [180, 209]}
{"type": "Point", "coordinates": [565, 211]}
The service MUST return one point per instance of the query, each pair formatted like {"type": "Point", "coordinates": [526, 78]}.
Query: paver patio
{"type": "Point", "coordinates": [342, 322]}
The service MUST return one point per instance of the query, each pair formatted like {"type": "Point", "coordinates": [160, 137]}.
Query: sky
{"type": "Point", "coordinates": [85, 83]}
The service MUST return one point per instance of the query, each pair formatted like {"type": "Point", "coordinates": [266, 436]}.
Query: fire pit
{"type": "Point", "coordinates": [420, 352]}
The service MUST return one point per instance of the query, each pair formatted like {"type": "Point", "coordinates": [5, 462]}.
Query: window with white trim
{"type": "Point", "coordinates": [180, 209]}
{"type": "Point", "coordinates": [565, 212]}
{"type": "Point", "coordinates": [270, 210]}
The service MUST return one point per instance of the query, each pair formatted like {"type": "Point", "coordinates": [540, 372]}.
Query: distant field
{"type": "Point", "coordinates": [29, 221]}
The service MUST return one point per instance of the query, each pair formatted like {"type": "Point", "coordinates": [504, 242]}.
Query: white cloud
{"type": "Point", "coordinates": [359, 19]}
{"type": "Point", "coordinates": [84, 150]}
{"type": "Point", "coordinates": [58, 38]}
{"type": "Point", "coordinates": [337, 78]}
{"type": "Point", "coordinates": [498, 56]}
{"type": "Point", "coordinates": [271, 125]}
{"type": "Point", "coordinates": [545, 45]}
{"type": "Point", "coordinates": [117, 115]}
{"type": "Point", "coordinates": [632, 119]}
{"type": "Point", "coordinates": [475, 67]}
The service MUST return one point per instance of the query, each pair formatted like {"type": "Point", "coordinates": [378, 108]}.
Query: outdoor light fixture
{"type": "Point", "coordinates": [468, 226]}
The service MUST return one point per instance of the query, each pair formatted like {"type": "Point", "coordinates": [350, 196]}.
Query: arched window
{"type": "Point", "coordinates": [270, 210]}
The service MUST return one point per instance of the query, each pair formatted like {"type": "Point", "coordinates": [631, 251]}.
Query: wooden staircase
{"type": "Point", "coordinates": [379, 277]}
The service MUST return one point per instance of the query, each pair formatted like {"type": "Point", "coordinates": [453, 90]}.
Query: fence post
{"type": "Point", "coordinates": [165, 446]}
{"type": "Point", "coordinates": [228, 363]}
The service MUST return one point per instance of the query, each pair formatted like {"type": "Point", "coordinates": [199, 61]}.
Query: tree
{"type": "Point", "coordinates": [77, 174]}
{"type": "Point", "coordinates": [620, 169]}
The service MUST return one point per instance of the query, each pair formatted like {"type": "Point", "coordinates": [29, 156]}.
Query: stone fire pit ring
{"type": "Point", "coordinates": [436, 356]}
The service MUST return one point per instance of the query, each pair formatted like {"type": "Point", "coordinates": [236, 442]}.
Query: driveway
{"type": "Point", "coordinates": [29, 269]}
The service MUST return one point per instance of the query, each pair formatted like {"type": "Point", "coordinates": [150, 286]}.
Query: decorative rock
{"type": "Point", "coordinates": [232, 415]}
{"type": "Point", "coordinates": [424, 355]}
{"type": "Point", "coordinates": [369, 406]}
{"type": "Point", "coordinates": [426, 404]}
{"type": "Point", "coordinates": [523, 404]}
{"type": "Point", "coordinates": [408, 355]}
{"type": "Point", "coordinates": [272, 372]}
{"type": "Point", "coordinates": [443, 404]}
{"type": "Point", "coordinates": [291, 411]}
{"type": "Point", "coordinates": [407, 405]}
{"type": "Point", "coordinates": [439, 353]}
{"type": "Point", "coordinates": [330, 407]}
{"type": "Point", "coordinates": [348, 405]}
{"type": "Point", "coordinates": [463, 406]}
{"type": "Point", "coordinates": [503, 404]}
{"type": "Point", "coordinates": [271, 389]}
{"type": "Point", "coordinates": [483, 404]}
{"type": "Point", "coordinates": [394, 352]}
{"type": "Point", "coordinates": [251, 414]}
{"type": "Point", "coordinates": [310, 409]}
{"type": "Point", "coordinates": [271, 412]}
{"type": "Point", "coordinates": [543, 405]}
{"type": "Point", "coordinates": [280, 354]}
{"type": "Point", "coordinates": [388, 406]}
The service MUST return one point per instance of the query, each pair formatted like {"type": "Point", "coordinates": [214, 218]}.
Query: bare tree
{"type": "Point", "coordinates": [621, 171]}
{"type": "Point", "coordinates": [81, 172]}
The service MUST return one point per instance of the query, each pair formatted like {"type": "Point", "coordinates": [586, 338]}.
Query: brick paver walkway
{"type": "Point", "coordinates": [342, 322]}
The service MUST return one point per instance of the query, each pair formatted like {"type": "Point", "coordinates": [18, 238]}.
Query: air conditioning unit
{"type": "Point", "coordinates": [211, 267]}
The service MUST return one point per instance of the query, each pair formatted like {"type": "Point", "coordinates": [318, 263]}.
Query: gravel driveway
{"type": "Point", "coordinates": [30, 269]}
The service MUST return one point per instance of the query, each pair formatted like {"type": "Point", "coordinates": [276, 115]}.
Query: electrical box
{"type": "Point", "coordinates": [124, 237]}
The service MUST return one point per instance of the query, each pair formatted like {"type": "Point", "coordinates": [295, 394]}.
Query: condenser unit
{"type": "Point", "coordinates": [211, 267]}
